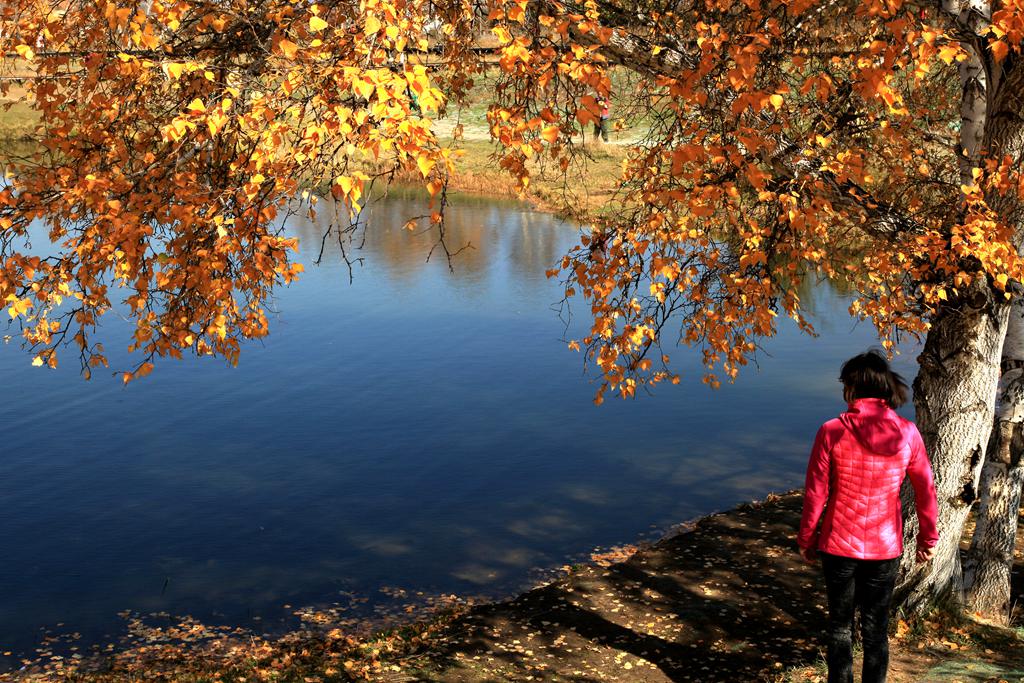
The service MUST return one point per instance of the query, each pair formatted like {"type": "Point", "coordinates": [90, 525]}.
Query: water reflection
{"type": "Point", "coordinates": [497, 242]}
{"type": "Point", "coordinates": [418, 427]}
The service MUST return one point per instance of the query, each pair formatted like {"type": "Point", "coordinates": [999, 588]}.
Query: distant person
{"type": "Point", "coordinates": [414, 101]}
{"type": "Point", "coordinates": [601, 125]}
{"type": "Point", "coordinates": [858, 462]}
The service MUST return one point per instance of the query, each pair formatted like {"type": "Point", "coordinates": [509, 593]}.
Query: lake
{"type": "Point", "coordinates": [415, 428]}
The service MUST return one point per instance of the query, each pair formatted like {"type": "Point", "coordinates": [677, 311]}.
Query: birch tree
{"type": "Point", "coordinates": [990, 558]}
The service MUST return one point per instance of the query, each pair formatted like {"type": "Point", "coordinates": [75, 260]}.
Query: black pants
{"type": "Point", "coordinates": [867, 584]}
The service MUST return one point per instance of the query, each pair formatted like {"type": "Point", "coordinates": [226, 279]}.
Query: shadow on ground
{"type": "Point", "coordinates": [728, 600]}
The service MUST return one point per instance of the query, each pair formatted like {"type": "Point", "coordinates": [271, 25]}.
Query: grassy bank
{"type": "Point", "coordinates": [586, 186]}
{"type": "Point", "coordinates": [723, 599]}
{"type": "Point", "coordinates": [16, 121]}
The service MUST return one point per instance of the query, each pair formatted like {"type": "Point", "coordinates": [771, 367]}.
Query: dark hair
{"type": "Point", "coordinates": [868, 375]}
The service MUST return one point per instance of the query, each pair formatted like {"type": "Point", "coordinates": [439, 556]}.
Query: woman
{"type": "Point", "coordinates": [601, 125]}
{"type": "Point", "coordinates": [857, 465]}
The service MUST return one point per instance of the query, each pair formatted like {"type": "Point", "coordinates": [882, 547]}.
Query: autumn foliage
{"type": "Point", "coordinates": [784, 141]}
{"type": "Point", "coordinates": [793, 142]}
{"type": "Point", "coordinates": [175, 138]}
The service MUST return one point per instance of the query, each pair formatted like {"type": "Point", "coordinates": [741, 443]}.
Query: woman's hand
{"type": "Point", "coordinates": [925, 555]}
{"type": "Point", "coordinates": [809, 554]}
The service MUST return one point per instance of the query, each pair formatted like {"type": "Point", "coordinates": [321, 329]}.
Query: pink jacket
{"type": "Point", "coordinates": [857, 465]}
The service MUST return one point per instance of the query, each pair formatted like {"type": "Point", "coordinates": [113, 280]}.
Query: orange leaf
{"type": "Point", "coordinates": [999, 50]}
{"type": "Point", "coordinates": [288, 48]}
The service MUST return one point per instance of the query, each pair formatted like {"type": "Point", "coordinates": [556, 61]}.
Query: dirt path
{"type": "Point", "coordinates": [727, 601]}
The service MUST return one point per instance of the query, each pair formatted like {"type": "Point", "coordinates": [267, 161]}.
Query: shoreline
{"type": "Point", "coordinates": [586, 191]}
{"type": "Point", "coordinates": [444, 643]}
{"type": "Point", "coordinates": [722, 598]}
{"type": "Point", "coordinates": [571, 197]}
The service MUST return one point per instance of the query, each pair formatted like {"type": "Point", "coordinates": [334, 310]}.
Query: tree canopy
{"type": "Point", "coordinates": [783, 141]}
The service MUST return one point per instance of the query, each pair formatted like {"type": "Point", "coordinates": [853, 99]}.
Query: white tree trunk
{"type": "Point", "coordinates": [990, 558]}
{"type": "Point", "coordinates": [974, 17]}
{"type": "Point", "coordinates": [954, 394]}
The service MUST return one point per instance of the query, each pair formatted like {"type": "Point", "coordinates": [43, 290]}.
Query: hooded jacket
{"type": "Point", "coordinates": [857, 465]}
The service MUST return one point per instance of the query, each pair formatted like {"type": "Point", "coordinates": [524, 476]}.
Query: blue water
{"type": "Point", "coordinates": [416, 427]}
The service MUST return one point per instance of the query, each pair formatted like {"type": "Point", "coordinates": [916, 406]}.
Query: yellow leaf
{"type": "Point", "coordinates": [176, 129]}
{"type": "Point", "coordinates": [776, 100]}
{"type": "Point", "coordinates": [37, 361]}
{"type": "Point", "coordinates": [215, 122]}
{"type": "Point", "coordinates": [363, 88]}
{"type": "Point", "coordinates": [196, 106]}
{"type": "Point", "coordinates": [316, 24]}
{"type": "Point", "coordinates": [19, 307]}
{"type": "Point", "coordinates": [425, 163]}
{"type": "Point", "coordinates": [372, 25]}
{"type": "Point", "coordinates": [174, 70]}
{"type": "Point", "coordinates": [26, 52]}
{"type": "Point", "coordinates": [950, 52]}
{"type": "Point", "coordinates": [550, 133]}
